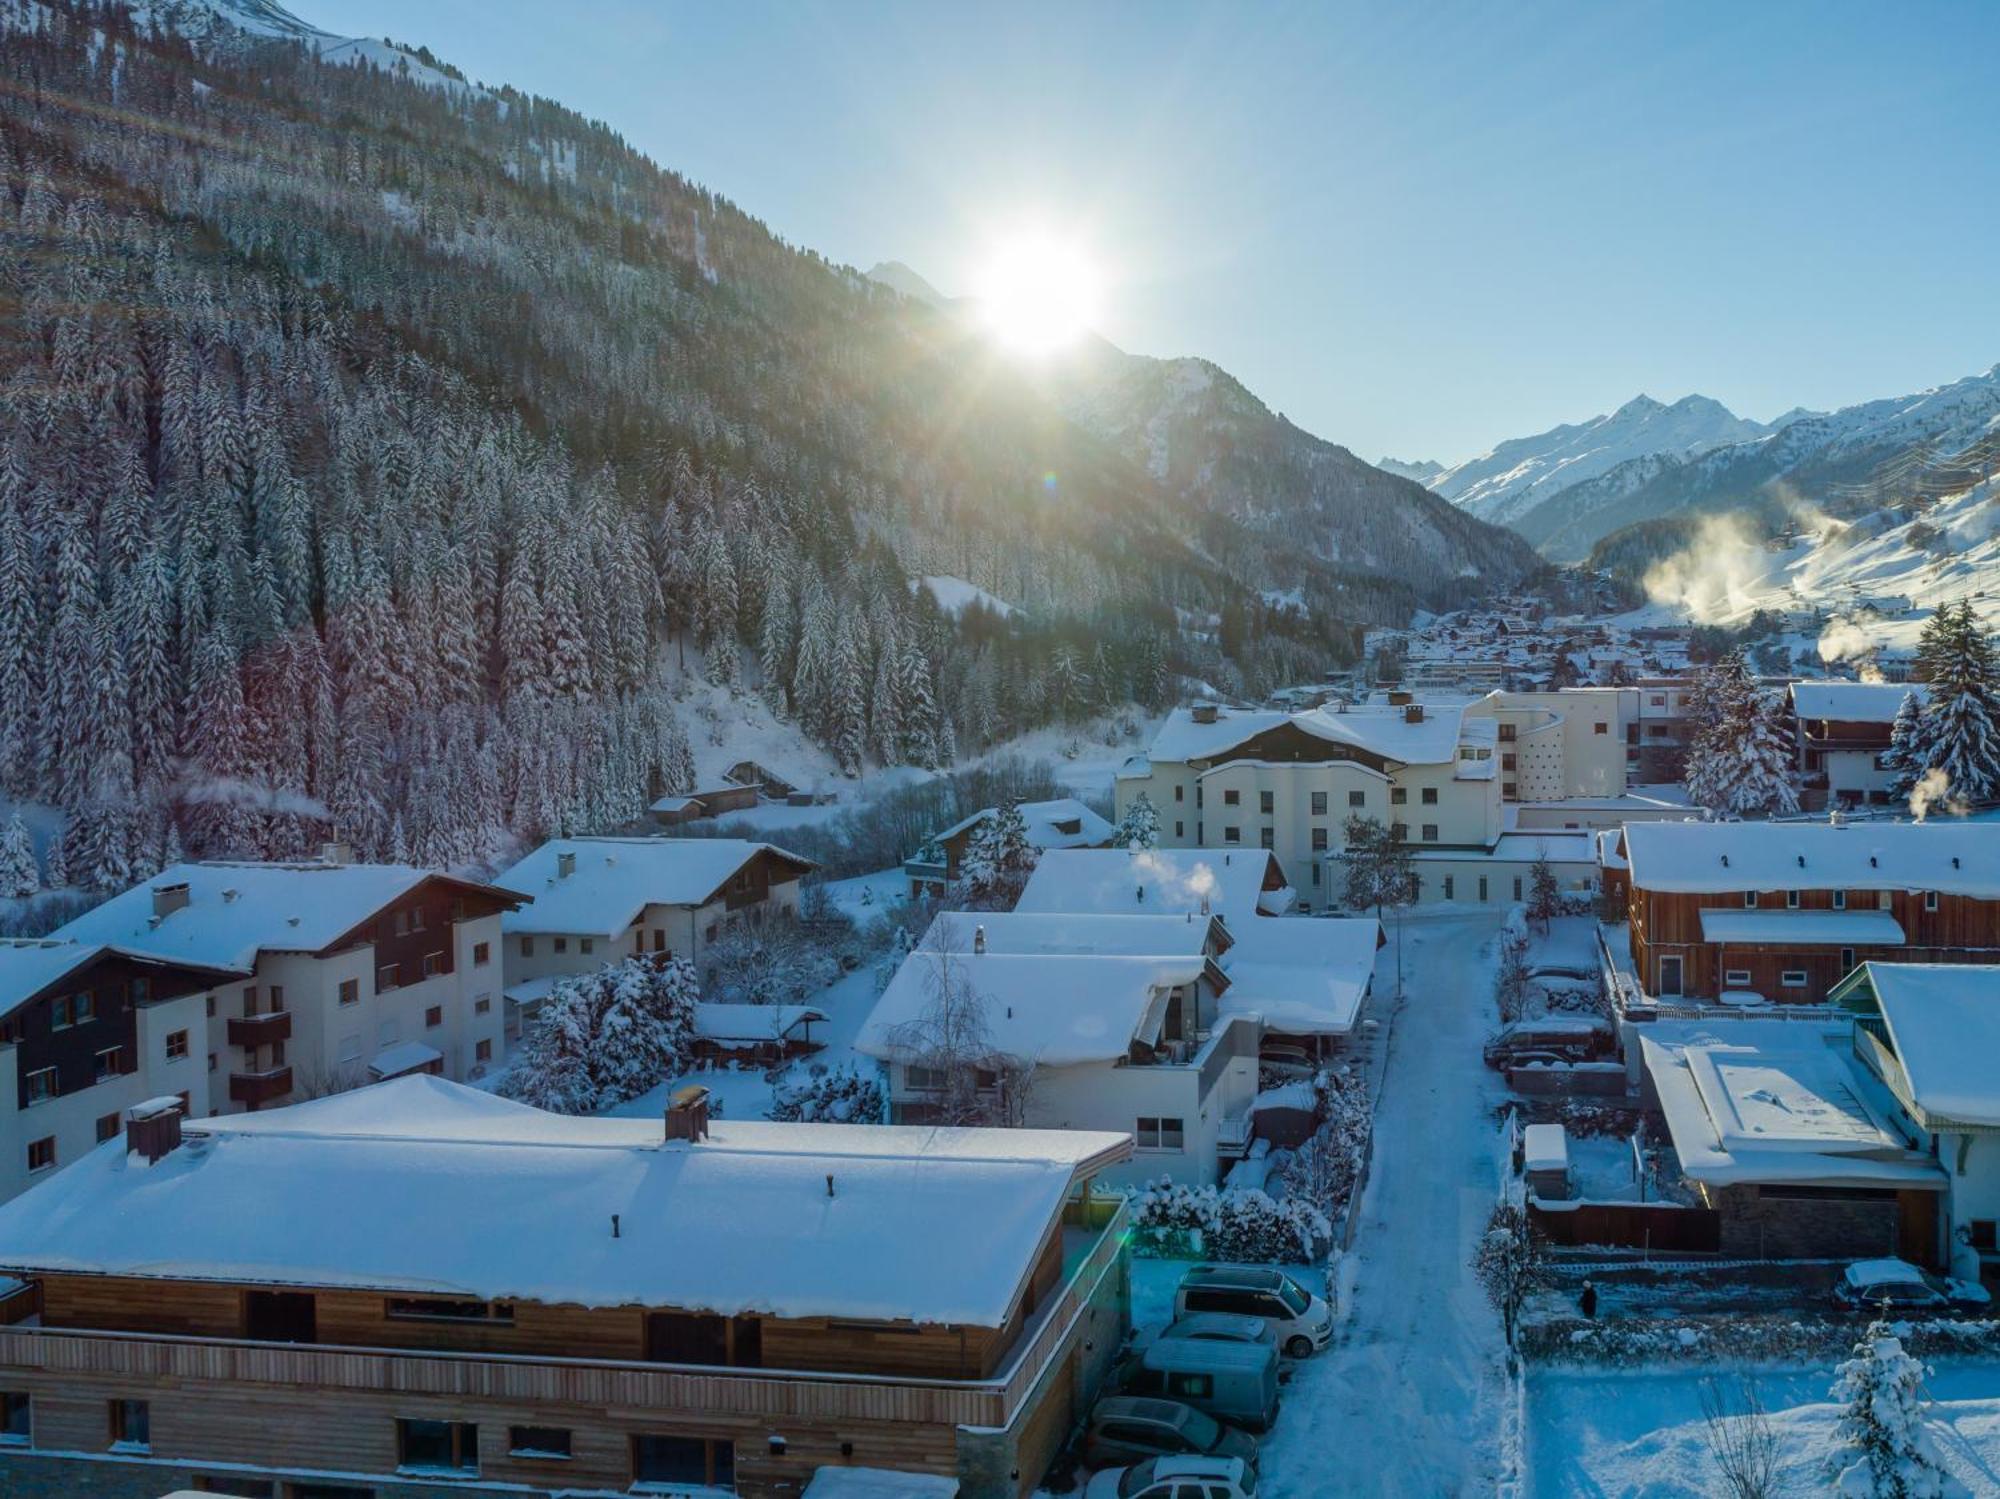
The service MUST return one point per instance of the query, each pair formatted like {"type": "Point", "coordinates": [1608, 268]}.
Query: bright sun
{"type": "Point", "coordinates": [1038, 293]}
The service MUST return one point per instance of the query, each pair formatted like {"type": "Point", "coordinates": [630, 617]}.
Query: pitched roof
{"type": "Point", "coordinates": [29, 965]}
{"type": "Point", "coordinates": [615, 879]}
{"type": "Point", "coordinates": [1087, 934]}
{"type": "Point", "coordinates": [1093, 831]}
{"type": "Point", "coordinates": [425, 1186]}
{"type": "Point", "coordinates": [1054, 1011]}
{"type": "Point", "coordinates": [236, 910]}
{"type": "Point", "coordinates": [1118, 881]}
{"type": "Point", "coordinates": [1303, 975]}
{"type": "Point", "coordinates": [1377, 729]}
{"type": "Point", "coordinates": [1958, 858]}
{"type": "Point", "coordinates": [1853, 702]}
{"type": "Point", "coordinates": [1944, 1020]}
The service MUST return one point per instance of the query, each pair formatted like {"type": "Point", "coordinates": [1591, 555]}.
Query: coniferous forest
{"type": "Point", "coordinates": [377, 457]}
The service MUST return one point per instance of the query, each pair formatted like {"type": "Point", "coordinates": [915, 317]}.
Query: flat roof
{"type": "Point", "coordinates": [1949, 855]}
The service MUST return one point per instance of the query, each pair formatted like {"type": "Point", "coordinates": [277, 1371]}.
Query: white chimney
{"type": "Point", "coordinates": [565, 864]}
{"type": "Point", "coordinates": [168, 899]}
{"type": "Point", "coordinates": [979, 939]}
{"type": "Point", "coordinates": [335, 853]}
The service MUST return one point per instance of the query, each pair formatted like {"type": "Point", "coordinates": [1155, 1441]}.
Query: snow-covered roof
{"type": "Point", "coordinates": [1305, 975]}
{"type": "Point", "coordinates": [718, 1022]}
{"type": "Point", "coordinates": [1054, 1011]}
{"type": "Point", "coordinates": [1545, 1147]}
{"type": "Point", "coordinates": [1558, 846]}
{"type": "Point", "coordinates": [236, 910]}
{"type": "Point", "coordinates": [1853, 702]}
{"type": "Point", "coordinates": [1608, 856]}
{"type": "Point", "coordinates": [28, 965]}
{"type": "Point", "coordinates": [401, 1057]}
{"type": "Point", "coordinates": [1959, 858]}
{"type": "Point", "coordinates": [673, 804]}
{"type": "Point", "coordinates": [1376, 729]}
{"type": "Point", "coordinates": [1944, 1022]}
{"type": "Point", "coordinates": [1802, 928]}
{"type": "Point", "coordinates": [1121, 881]}
{"type": "Point", "coordinates": [1162, 934]}
{"type": "Point", "coordinates": [1773, 1106]}
{"type": "Point", "coordinates": [429, 1187]}
{"type": "Point", "coordinates": [615, 879]}
{"type": "Point", "coordinates": [1047, 824]}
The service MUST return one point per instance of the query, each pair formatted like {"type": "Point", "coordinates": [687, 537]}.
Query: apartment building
{"type": "Point", "coordinates": [86, 1032]}
{"type": "Point", "coordinates": [1841, 730]}
{"type": "Point", "coordinates": [1062, 823]}
{"type": "Point", "coordinates": [422, 1288]}
{"type": "Point", "coordinates": [602, 900]}
{"type": "Point", "coordinates": [343, 973]}
{"type": "Point", "coordinates": [1554, 745]}
{"type": "Point", "coordinates": [1088, 1023]}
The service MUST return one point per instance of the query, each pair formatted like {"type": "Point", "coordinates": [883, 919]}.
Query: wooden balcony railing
{"type": "Point", "coordinates": [254, 1088]}
{"type": "Point", "coordinates": [760, 1393]}
{"type": "Point", "coordinates": [260, 1030]}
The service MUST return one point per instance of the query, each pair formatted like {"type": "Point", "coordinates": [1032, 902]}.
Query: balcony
{"type": "Point", "coordinates": [758, 1394]}
{"type": "Point", "coordinates": [248, 1031]}
{"type": "Point", "coordinates": [254, 1089]}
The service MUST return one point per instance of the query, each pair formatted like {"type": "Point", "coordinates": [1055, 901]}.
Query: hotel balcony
{"type": "Point", "coordinates": [249, 1031]}
{"type": "Point", "coordinates": [254, 1089]}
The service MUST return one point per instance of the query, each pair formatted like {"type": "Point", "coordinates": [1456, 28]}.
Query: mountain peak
{"type": "Point", "coordinates": [899, 277]}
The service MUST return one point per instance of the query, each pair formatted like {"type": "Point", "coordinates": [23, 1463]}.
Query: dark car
{"type": "Point", "coordinates": [1131, 1428]}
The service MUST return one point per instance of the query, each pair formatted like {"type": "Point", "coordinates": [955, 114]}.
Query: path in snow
{"type": "Point", "coordinates": [1407, 1401]}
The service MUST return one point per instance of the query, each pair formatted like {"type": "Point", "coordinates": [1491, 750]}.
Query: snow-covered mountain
{"type": "Point", "coordinates": [1511, 481]}
{"type": "Point", "coordinates": [899, 277]}
{"type": "Point", "coordinates": [213, 25]}
{"type": "Point", "coordinates": [1423, 470]}
{"type": "Point", "coordinates": [1844, 463]}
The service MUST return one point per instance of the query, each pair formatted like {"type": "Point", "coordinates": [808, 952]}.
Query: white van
{"type": "Point", "coordinates": [1302, 1321]}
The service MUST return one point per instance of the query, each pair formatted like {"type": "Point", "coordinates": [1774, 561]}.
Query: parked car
{"type": "Point", "coordinates": [1233, 1382]}
{"type": "Point", "coordinates": [1224, 1327]}
{"type": "Point", "coordinates": [1177, 1478]}
{"type": "Point", "coordinates": [1293, 1063]}
{"type": "Point", "coordinates": [1302, 1321]}
{"type": "Point", "coordinates": [1868, 1284]}
{"type": "Point", "coordinates": [1561, 971]}
{"type": "Point", "coordinates": [1132, 1428]}
{"type": "Point", "coordinates": [1577, 1038]}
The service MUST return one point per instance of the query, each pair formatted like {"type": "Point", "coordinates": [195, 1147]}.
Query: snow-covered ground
{"type": "Point", "coordinates": [1641, 1435]}
{"type": "Point", "coordinates": [1410, 1398]}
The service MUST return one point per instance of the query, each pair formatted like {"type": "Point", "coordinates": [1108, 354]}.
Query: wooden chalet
{"type": "Point", "coordinates": [1785, 910]}
{"type": "Point", "coordinates": [419, 1283]}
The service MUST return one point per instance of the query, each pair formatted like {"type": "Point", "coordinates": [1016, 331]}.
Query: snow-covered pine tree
{"type": "Point", "coordinates": [553, 1070]}
{"type": "Point", "coordinates": [18, 875]}
{"type": "Point", "coordinates": [917, 707]}
{"type": "Point", "coordinates": [1908, 754]}
{"type": "Point", "coordinates": [1140, 826]}
{"type": "Point", "coordinates": [1960, 736]}
{"type": "Point", "coordinates": [1884, 1450]}
{"type": "Point", "coordinates": [55, 866]}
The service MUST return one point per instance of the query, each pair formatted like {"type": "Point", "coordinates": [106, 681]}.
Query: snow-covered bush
{"type": "Point", "coordinates": [1510, 976]}
{"type": "Point", "coordinates": [1885, 1451]}
{"type": "Point", "coordinates": [1324, 1168]}
{"type": "Point", "coordinates": [832, 1096]}
{"type": "Point", "coordinates": [1171, 1219]}
{"type": "Point", "coordinates": [601, 1038]}
{"type": "Point", "coordinates": [773, 960]}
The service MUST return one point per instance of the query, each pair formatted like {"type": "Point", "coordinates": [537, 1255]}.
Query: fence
{"type": "Point", "coordinates": [1656, 1226]}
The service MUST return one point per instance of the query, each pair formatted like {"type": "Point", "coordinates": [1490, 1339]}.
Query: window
{"type": "Point", "coordinates": [1930, 900]}
{"type": "Point", "coordinates": [1266, 838]}
{"type": "Point", "coordinates": [177, 1046]}
{"type": "Point", "coordinates": [250, 1000]}
{"type": "Point", "coordinates": [1507, 762]}
{"type": "Point", "coordinates": [41, 1084]}
{"type": "Point", "coordinates": [483, 1052]}
{"type": "Point", "coordinates": [66, 1010]}
{"type": "Point", "coordinates": [42, 1153]}
{"type": "Point", "coordinates": [538, 1441]}
{"type": "Point", "coordinates": [1749, 900]}
{"type": "Point", "coordinates": [923, 1079]}
{"type": "Point", "coordinates": [1517, 887]}
{"type": "Point", "coordinates": [433, 964]}
{"type": "Point", "coordinates": [1793, 978]}
{"type": "Point", "coordinates": [1791, 900]}
{"type": "Point", "coordinates": [1192, 1386]}
{"type": "Point", "coordinates": [437, 1446]}
{"type": "Point", "coordinates": [417, 919]}
{"type": "Point", "coordinates": [1232, 835]}
{"type": "Point", "coordinates": [1840, 900]}
{"type": "Point", "coordinates": [1736, 978]}
{"type": "Point", "coordinates": [1847, 960]}
{"type": "Point", "coordinates": [107, 1127]}
{"type": "Point", "coordinates": [708, 933]}
{"type": "Point", "coordinates": [433, 1017]}
{"type": "Point", "coordinates": [1447, 887]}
{"type": "Point", "coordinates": [586, 945]}
{"type": "Point", "coordinates": [110, 1063]}
{"type": "Point", "coordinates": [1658, 700]}
{"type": "Point", "coordinates": [1357, 798]}
{"type": "Point", "coordinates": [1319, 840]}
{"type": "Point", "coordinates": [1398, 796]}
{"type": "Point", "coordinates": [1400, 831]}
{"type": "Point", "coordinates": [482, 954]}
{"type": "Point", "coordinates": [16, 1419]}
{"type": "Point", "coordinates": [350, 1048]}
{"type": "Point", "coordinates": [210, 1002]}
{"type": "Point", "coordinates": [1430, 796]}
{"type": "Point", "coordinates": [482, 1005]}
{"type": "Point", "coordinates": [1159, 1133]}
{"type": "Point", "coordinates": [1430, 832]}
{"type": "Point", "coordinates": [1507, 733]}
{"type": "Point", "coordinates": [277, 999]}
{"type": "Point", "coordinates": [1315, 874]}
{"type": "Point", "coordinates": [1232, 798]}
{"type": "Point", "coordinates": [444, 1309]}
{"type": "Point", "coordinates": [131, 1426]}
{"type": "Point", "coordinates": [527, 947]}
{"type": "Point", "coordinates": [1319, 804]}
{"type": "Point", "coordinates": [385, 978]}
{"type": "Point", "coordinates": [211, 1061]}
{"type": "Point", "coordinates": [1180, 793]}
{"type": "Point", "coordinates": [1267, 802]}
{"type": "Point", "coordinates": [660, 1460]}
{"type": "Point", "coordinates": [1600, 728]}
{"type": "Point", "coordinates": [559, 944]}
{"type": "Point", "coordinates": [350, 991]}
{"type": "Point", "coordinates": [1180, 830]}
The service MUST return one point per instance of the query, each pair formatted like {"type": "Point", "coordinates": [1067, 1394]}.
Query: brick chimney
{"type": "Point", "coordinates": [153, 1128]}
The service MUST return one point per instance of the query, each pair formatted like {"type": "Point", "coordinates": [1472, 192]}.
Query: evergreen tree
{"type": "Point", "coordinates": [1960, 738]}
{"type": "Point", "coordinates": [1885, 1452]}
{"type": "Point", "coordinates": [917, 709]}
{"type": "Point", "coordinates": [1140, 826]}
{"type": "Point", "coordinates": [1908, 755]}
{"type": "Point", "coordinates": [18, 875]}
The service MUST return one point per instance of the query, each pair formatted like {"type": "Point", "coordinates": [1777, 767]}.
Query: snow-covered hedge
{"type": "Point", "coordinates": [1736, 1337]}
{"type": "Point", "coordinates": [1171, 1220]}
{"type": "Point", "coordinates": [832, 1096]}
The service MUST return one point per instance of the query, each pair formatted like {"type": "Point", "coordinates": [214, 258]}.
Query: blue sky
{"type": "Point", "coordinates": [1415, 229]}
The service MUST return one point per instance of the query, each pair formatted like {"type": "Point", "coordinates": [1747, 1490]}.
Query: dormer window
{"type": "Point", "coordinates": [1840, 900]}
{"type": "Point", "coordinates": [1749, 900]}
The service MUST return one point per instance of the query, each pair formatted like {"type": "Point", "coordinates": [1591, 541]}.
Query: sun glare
{"type": "Point", "coordinates": [1038, 294]}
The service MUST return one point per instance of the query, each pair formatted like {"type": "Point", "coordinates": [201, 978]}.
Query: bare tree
{"type": "Point", "coordinates": [1740, 1439]}
{"type": "Point", "coordinates": [951, 1041]}
{"type": "Point", "coordinates": [1510, 1260]}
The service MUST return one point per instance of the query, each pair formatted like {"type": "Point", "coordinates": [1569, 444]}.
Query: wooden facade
{"type": "Point", "coordinates": [1666, 928]}
{"type": "Point", "coordinates": [289, 1380]}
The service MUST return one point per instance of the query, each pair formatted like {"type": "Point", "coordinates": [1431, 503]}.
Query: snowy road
{"type": "Point", "coordinates": [1407, 1400]}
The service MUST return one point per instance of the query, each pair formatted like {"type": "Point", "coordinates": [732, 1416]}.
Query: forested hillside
{"type": "Point", "coordinates": [374, 453]}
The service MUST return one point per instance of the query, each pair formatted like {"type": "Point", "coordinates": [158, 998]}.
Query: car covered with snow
{"type": "Point", "coordinates": [1573, 1038]}
{"type": "Point", "coordinates": [1177, 1478]}
{"type": "Point", "coordinates": [1285, 1063]}
{"type": "Point", "coordinates": [1225, 1327]}
{"type": "Point", "coordinates": [1133, 1428]}
{"type": "Point", "coordinates": [1897, 1284]}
